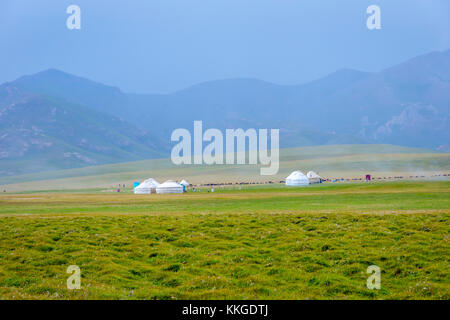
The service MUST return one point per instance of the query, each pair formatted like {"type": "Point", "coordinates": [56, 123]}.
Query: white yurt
{"type": "Point", "coordinates": [170, 187]}
{"type": "Point", "coordinates": [313, 177]}
{"type": "Point", "coordinates": [146, 187]}
{"type": "Point", "coordinates": [297, 178]}
{"type": "Point", "coordinates": [184, 183]}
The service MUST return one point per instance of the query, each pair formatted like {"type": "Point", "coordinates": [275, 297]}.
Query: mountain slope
{"type": "Point", "coordinates": [51, 133]}
{"type": "Point", "coordinates": [72, 88]}
{"type": "Point", "coordinates": [232, 103]}
{"type": "Point", "coordinates": [407, 104]}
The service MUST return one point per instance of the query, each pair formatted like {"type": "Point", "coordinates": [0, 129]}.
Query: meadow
{"type": "Point", "coordinates": [262, 242]}
{"type": "Point", "coordinates": [335, 161]}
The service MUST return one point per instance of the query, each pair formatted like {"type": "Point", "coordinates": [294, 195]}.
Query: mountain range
{"type": "Point", "coordinates": [53, 120]}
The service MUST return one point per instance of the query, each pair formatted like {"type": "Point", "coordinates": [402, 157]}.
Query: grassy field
{"type": "Point", "coordinates": [268, 242]}
{"type": "Point", "coordinates": [329, 161]}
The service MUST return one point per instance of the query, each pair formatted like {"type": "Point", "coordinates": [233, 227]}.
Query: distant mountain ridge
{"type": "Point", "coordinates": [39, 132]}
{"type": "Point", "coordinates": [70, 121]}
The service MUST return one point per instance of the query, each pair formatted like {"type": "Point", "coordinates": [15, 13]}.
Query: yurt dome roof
{"type": "Point", "coordinates": [312, 174]}
{"type": "Point", "coordinates": [149, 183]}
{"type": "Point", "coordinates": [297, 178]}
{"type": "Point", "coordinates": [184, 182]}
{"type": "Point", "coordinates": [296, 175]}
{"type": "Point", "coordinates": [169, 184]}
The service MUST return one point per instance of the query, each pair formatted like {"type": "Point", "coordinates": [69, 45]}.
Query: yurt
{"type": "Point", "coordinates": [185, 184]}
{"type": "Point", "coordinates": [313, 177]}
{"type": "Point", "coordinates": [170, 187]}
{"type": "Point", "coordinates": [147, 187]}
{"type": "Point", "coordinates": [297, 178]}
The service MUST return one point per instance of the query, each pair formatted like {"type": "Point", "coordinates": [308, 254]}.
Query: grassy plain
{"type": "Point", "coordinates": [329, 161]}
{"type": "Point", "coordinates": [268, 242]}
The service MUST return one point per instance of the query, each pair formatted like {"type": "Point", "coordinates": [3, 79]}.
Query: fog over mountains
{"type": "Point", "coordinates": [53, 120]}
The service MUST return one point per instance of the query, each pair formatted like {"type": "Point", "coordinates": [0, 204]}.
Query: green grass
{"type": "Point", "coordinates": [269, 242]}
{"type": "Point", "coordinates": [350, 197]}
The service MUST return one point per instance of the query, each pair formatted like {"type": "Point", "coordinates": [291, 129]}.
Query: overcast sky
{"type": "Point", "coordinates": [164, 45]}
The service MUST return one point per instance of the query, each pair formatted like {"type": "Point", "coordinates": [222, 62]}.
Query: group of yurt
{"type": "Point", "coordinates": [298, 178]}
{"type": "Point", "coordinates": [153, 186]}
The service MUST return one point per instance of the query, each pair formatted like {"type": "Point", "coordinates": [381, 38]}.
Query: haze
{"type": "Point", "coordinates": [161, 46]}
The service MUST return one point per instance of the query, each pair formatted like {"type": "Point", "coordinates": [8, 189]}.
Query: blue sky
{"type": "Point", "coordinates": [165, 45]}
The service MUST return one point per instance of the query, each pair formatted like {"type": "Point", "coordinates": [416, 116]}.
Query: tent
{"type": "Point", "coordinates": [146, 187]}
{"type": "Point", "coordinates": [170, 187]}
{"type": "Point", "coordinates": [313, 177]}
{"type": "Point", "coordinates": [185, 184]}
{"type": "Point", "coordinates": [297, 178]}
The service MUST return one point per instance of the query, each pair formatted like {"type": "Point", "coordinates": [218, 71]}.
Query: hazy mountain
{"type": "Point", "coordinates": [38, 132]}
{"type": "Point", "coordinates": [72, 88]}
{"type": "Point", "coordinates": [407, 104]}
{"type": "Point", "coordinates": [85, 122]}
{"type": "Point", "coordinates": [232, 103]}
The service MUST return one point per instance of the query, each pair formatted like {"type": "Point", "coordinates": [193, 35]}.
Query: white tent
{"type": "Point", "coordinates": [297, 178]}
{"type": "Point", "coordinates": [313, 177]}
{"type": "Point", "coordinates": [146, 187]}
{"type": "Point", "coordinates": [170, 187]}
{"type": "Point", "coordinates": [184, 183]}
